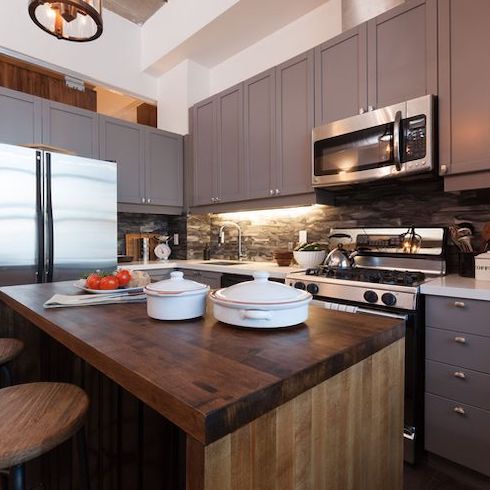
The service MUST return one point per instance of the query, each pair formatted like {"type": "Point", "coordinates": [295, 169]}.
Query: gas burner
{"type": "Point", "coordinates": [375, 276]}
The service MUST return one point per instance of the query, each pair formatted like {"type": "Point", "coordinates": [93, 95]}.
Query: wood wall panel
{"type": "Point", "coordinates": [345, 433]}
{"type": "Point", "coordinates": [33, 80]}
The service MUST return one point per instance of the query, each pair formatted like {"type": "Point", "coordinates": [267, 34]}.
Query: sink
{"type": "Point", "coordinates": [218, 262]}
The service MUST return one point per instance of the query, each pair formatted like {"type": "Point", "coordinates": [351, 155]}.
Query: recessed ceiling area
{"type": "Point", "coordinates": [138, 11]}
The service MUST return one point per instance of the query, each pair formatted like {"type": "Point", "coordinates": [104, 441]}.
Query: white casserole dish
{"type": "Point", "coordinates": [261, 304]}
{"type": "Point", "coordinates": [176, 298]}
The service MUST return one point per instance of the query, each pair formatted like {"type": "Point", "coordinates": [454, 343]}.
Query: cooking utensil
{"type": "Point", "coordinates": [260, 304]}
{"type": "Point", "coordinates": [176, 298]}
{"type": "Point", "coordinates": [340, 257]}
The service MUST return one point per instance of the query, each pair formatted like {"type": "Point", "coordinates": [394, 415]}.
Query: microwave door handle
{"type": "Point", "coordinates": [396, 140]}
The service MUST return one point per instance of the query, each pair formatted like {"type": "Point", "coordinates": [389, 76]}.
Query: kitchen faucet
{"type": "Point", "coordinates": [221, 237]}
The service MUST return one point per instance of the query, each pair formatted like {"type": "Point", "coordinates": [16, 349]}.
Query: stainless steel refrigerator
{"type": "Point", "coordinates": [58, 216]}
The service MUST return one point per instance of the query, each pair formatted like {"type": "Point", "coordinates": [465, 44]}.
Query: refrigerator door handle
{"type": "Point", "coordinates": [49, 223]}
{"type": "Point", "coordinates": [40, 217]}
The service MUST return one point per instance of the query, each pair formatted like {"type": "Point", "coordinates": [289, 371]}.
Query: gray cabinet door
{"type": "Point", "coordinates": [294, 123]}
{"type": "Point", "coordinates": [341, 76]}
{"type": "Point", "coordinates": [123, 143]}
{"type": "Point", "coordinates": [402, 53]}
{"type": "Point", "coordinates": [464, 86]}
{"type": "Point", "coordinates": [164, 168]}
{"type": "Point", "coordinates": [21, 118]}
{"type": "Point", "coordinates": [231, 170]}
{"type": "Point", "coordinates": [205, 154]}
{"type": "Point", "coordinates": [71, 128]}
{"type": "Point", "coordinates": [259, 134]}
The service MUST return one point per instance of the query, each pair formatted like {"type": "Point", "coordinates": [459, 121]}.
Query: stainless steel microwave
{"type": "Point", "coordinates": [384, 143]}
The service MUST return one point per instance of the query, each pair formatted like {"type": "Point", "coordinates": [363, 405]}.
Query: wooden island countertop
{"type": "Point", "coordinates": [207, 378]}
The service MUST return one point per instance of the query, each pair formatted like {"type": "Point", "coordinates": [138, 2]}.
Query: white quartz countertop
{"type": "Point", "coordinates": [245, 268]}
{"type": "Point", "coordinates": [457, 286]}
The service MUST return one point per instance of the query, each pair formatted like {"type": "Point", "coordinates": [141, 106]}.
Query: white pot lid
{"type": "Point", "coordinates": [261, 291]}
{"type": "Point", "coordinates": [176, 285]}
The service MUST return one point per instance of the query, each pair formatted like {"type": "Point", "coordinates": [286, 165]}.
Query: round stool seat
{"type": "Point", "coordinates": [37, 417]}
{"type": "Point", "coordinates": [10, 349]}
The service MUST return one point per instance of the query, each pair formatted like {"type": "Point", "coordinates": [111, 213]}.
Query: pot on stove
{"type": "Point", "coordinates": [340, 258]}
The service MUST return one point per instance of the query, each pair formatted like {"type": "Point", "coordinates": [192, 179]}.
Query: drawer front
{"type": "Point", "coordinates": [463, 315]}
{"type": "Point", "coordinates": [458, 349]}
{"type": "Point", "coordinates": [458, 432]}
{"type": "Point", "coordinates": [458, 383]}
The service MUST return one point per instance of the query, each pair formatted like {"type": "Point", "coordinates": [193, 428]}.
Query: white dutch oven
{"type": "Point", "coordinates": [176, 298]}
{"type": "Point", "coordinates": [261, 304]}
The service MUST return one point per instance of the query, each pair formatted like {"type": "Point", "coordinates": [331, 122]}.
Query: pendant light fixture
{"type": "Point", "coordinates": [72, 20]}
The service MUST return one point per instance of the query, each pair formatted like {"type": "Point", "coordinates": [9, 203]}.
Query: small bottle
{"type": "Point", "coordinates": [206, 254]}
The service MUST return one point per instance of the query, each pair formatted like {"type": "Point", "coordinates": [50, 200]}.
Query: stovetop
{"type": "Point", "coordinates": [367, 275]}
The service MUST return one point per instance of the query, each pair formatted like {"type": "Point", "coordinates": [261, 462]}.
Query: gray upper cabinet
{"type": "Point", "coordinates": [341, 76]}
{"type": "Point", "coordinates": [231, 173]}
{"type": "Point", "coordinates": [21, 121]}
{"type": "Point", "coordinates": [123, 143]}
{"type": "Point", "coordinates": [259, 134]}
{"type": "Point", "coordinates": [205, 179]}
{"type": "Point", "coordinates": [164, 168]}
{"type": "Point", "coordinates": [71, 128]}
{"type": "Point", "coordinates": [294, 123]}
{"type": "Point", "coordinates": [402, 53]}
{"type": "Point", "coordinates": [464, 92]}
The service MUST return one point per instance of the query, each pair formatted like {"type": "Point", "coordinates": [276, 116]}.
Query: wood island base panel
{"type": "Point", "coordinates": [200, 405]}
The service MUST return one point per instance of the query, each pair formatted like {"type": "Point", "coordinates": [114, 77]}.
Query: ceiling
{"type": "Point", "coordinates": [136, 11]}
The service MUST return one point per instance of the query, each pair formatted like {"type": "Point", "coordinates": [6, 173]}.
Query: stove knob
{"type": "Point", "coordinates": [371, 297]}
{"type": "Point", "coordinates": [312, 288]}
{"type": "Point", "coordinates": [300, 285]}
{"type": "Point", "coordinates": [388, 299]}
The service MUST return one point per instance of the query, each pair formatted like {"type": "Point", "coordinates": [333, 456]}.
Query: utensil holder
{"type": "Point", "coordinates": [466, 264]}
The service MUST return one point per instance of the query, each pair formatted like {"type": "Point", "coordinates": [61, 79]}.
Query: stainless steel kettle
{"type": "Point", "coordinates": [340, 257]}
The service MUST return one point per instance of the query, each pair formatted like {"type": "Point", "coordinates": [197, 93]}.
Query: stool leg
{"type": "Point", "coordinates": [7, 376]}
{"type": "Point", "coordinates": [82, 457]}
{"type": "Point", "coordinates": [18, 477]}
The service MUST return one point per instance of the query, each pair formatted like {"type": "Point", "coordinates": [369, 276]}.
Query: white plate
{"type": "Point", "coordinates": [81, 285]}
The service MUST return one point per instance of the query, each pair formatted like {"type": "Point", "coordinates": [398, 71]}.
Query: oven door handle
{"type": "Point", "coordinates": [398, 316]}
{"type": "Point", "coordinates": [396, 140]}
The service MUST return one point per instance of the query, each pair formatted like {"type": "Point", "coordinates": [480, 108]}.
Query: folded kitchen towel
{"type": "Point", "coordinates": [64, 300]}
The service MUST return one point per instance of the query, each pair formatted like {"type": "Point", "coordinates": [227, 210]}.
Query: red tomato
{"type": "Point", "coordinates": [109, 282]}
{"type": "Point", "coordinates": [123, 276]}
{"type": "Point", "coordinates": [93, 281]}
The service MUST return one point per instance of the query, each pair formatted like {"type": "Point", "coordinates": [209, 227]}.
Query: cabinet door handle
{"type": "Point", "coordinates": [362, 110]}
{"type": "Point", "coordinates": [143, 200]}
{"type": "Point", "coordinates": [148, 201]}
{"type": "Point", "coordinates": [459, 410]}
{"type": "Point", "coordinates": [370, 108]}
{"type": "Point", "coordinates": [213, 199]}
{"type": "Point", "coordinates": [460, 375]}
{"type": "Point", "coordinates": [271, 192]}
{"type": "Point", "coordinates": [277, 192]}
{"type": "Point", "coordinates": [460, 340]}
{"type": "Point", "coordinates": [443, 169]}
{"type": "Point", "coordinates": [459, 304]}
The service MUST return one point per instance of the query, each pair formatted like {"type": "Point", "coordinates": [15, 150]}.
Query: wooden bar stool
{"type": "Point", "coordinates": [9, 350]}
{"type": "Point", "coordinates": [37, 417]}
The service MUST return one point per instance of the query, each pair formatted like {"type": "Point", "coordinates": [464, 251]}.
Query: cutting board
{"type": "Point", "coordinates": [133, 244]}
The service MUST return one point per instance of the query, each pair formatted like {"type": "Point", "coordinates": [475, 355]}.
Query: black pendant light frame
{"type": "Point", "coordinates": [81, 6]}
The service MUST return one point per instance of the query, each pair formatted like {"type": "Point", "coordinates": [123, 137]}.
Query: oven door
{"type": "Point", "coordinates": [360, 148]}
{"type": "Point", "coordinates": [414, 372]}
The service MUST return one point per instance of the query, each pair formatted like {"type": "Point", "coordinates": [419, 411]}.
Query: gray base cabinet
{"type": "Point", "coordinates": [464, 93]}
{"type": "Point", "coordinates": [211, 279]}
{"type": "Point", "coordinates": [71, 128]}
{"type": "Point", "coordinates": [457, 400]}
{"type": "Point", "coordinates": [20, 118]}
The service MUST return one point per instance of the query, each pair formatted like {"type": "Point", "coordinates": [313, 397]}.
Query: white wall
{"type": "Point", "coordinates": [179, 89]}
{"type": "Point", "coordinates": [113, 60]}
{"type": "Point", "coordinates": [304, 33]}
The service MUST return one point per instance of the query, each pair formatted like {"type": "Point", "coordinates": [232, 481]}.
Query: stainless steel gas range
{"type": "Point", "coordinates": [390, 266]}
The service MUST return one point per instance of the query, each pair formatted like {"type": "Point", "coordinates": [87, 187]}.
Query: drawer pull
{"type": "Point", "coordinates": [460, 340]}
{"type": "Point", "coordinates": [460, 375]}
{"type": "Point", "coordinates": [459, 410]}
{"type": "Point", "coordinates": [459, 304]}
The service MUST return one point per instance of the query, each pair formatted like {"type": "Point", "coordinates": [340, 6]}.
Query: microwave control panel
{"type": "Point", "coordinates": [415, 138]}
